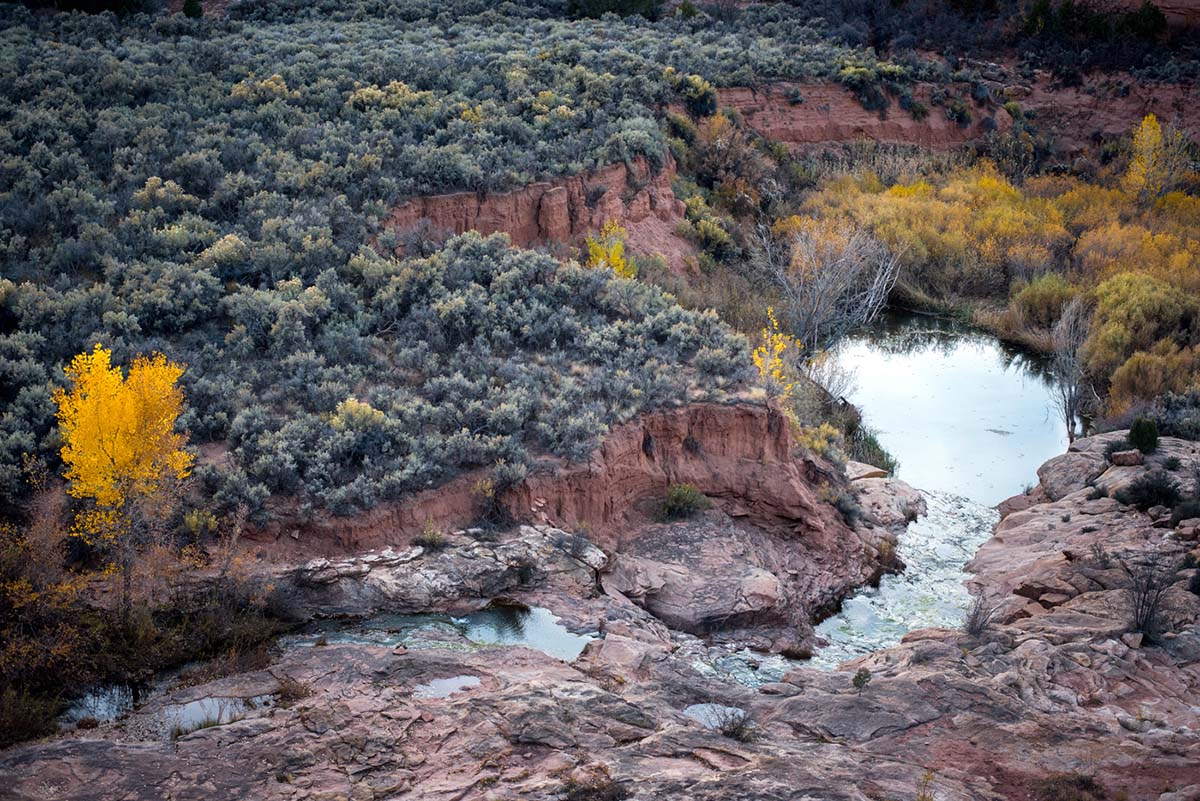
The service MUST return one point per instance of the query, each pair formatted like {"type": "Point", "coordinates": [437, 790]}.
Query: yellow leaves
{"type": "Point", "coordinates": [770, 358]}
{"type": "Point", "coordinates": [608, 251]}
{"type": "Point", "coordinates": [396, 95]}
{"type": "Point", "coordinates": [118, 433]}
{"type": "Point", "coordinates": [1158, 157]}
{"type": "Point", "coordinates": [821, 439]}
{"type": "Point", "coordinates": [354, 415]}
{"type": "Point", "coordinates": [264, 90]}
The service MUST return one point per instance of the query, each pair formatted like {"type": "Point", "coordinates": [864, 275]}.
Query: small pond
{"type": "Point", "coordinates": [970, 420]}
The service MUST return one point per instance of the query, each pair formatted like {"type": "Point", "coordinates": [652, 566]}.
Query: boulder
{"type": "Point", "coordinates": [1130, 458]}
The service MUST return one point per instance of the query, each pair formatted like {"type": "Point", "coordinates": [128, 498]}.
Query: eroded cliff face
{"type": "Point", "coordinates": [769, 558]}
{"type": "Point", "coordinates": [1074, 116]}
{"type": "Point", "coordinates": [560, 212]}
{"type": "Point", "coordinates": [740, 453]}
{"type": "Point", "coordinates": [830, 114]}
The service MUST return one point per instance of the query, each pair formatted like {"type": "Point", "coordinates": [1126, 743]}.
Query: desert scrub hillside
{"type": "Point", "coordinates": [205, 188]}
{"type": "Point", "coordinates": [382, 377]}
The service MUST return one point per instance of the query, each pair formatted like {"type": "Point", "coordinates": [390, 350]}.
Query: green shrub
{"type": "Point", "coordinates": [1115, 446]}
{"type": "Point", "coordinates": [1150, 490]}
{"type": "Point", "coordinates": [862, 677]}
{"type": "Point", "coordinates": [958, 111]}
{"type": "Point", "coordinates": [1041, 301]}
{"type": "Point", "coordinates": [431, 539]}
{"type": "Point", "coordinates": [1143, 435]}
{"type": "Point", "coordinates": [1188, 510]}
{"type": "Point", "coordinates": [863, 446]}
{"type": "Point", "coordinates": [683, 501]}
{"type": "Point", "coordinates": [24, 716]}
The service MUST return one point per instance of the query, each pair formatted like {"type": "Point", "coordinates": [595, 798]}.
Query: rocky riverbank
{"type": "Point", "coordinates": [1054, 694]}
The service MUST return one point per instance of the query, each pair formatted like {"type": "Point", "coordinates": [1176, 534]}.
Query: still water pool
{"type": "Point", "coordinates": [970, 420]}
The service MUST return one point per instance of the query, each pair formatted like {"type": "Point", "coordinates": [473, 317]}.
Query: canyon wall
{"type": "Point", "coordinates": [560, 212]}
{"type": "Point", "coordinates": [1074, 116]}
{"type": "Point", "coordinates": [738, 453]}
{"type": "Point", "coordinates": [831, 114]}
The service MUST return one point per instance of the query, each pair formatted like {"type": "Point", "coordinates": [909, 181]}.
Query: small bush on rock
{"type": "Point", "coordinates": [1149, 576]}
{"type": "Point", "coordinates": [862, 677]}
{"type": "Point", "coordinates": [431, 539]}
{"type": "Point", "coordinates": [1185, 511]}
{"type": "Point", "coordinates": [1150, 490]}
{"type": "Point", "coordinates": [736, 724]}
{"type": "Point", "coordinates": [1116, 446]}
{"type": "Point", "coordinates": [682, 502]}
{"type": "Point", "coordinates": [1143, 435]}
{"type": "Point", "coordinates": [293, 690]}
{"type": "Point", "coordinates": [1070, 787]}
{"type": "Point", "coordinates": [599, 786]}
{"type": "Point", "coordinates": [979, 617]}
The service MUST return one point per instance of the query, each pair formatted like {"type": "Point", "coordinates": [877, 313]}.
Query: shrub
{"type": "Point", "coordinates": [431, 538]}
{"type": "Point", "coordinates": [24, 716]}
{"type": "Point", "coordinates": [1041, 301]}
{"type": "Point", "coordinates": [1151, 489]}
{"type": "Point", "coordinates": [979, 617]}
{"type": "Point", "coordinates": [573, 545]}
{"type": "Point", "coordinates": [1143, 435]}
{"type": "Point", "coordinates": [1188, 510]}
{"type": "Point", "coordinates": [863, 446]}
{"type": "Point", "coordinates": [292, 690]}
{"type": "Point", "coordinates": [682, 502]}
{"type": "Point", "coordinates": [1178, 414]}
{"type": "Point", "coordinates": [1070, 787]}
{"type": "Point", "coordinates": [599, 785]}
{"type": "Point", "coordinates": [1116, 446]}
{"type": "Point", "coordinates": [736, 724]}
{"type": "Point", "coordinates": [958, 111]}
{"type": "Point", "coordinates": [862, 677]}
{"type": "Point", "coordinates": [1149, 576]}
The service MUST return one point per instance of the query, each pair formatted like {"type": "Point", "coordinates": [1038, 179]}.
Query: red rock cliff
{"type": "Point", "coordinates": [831, 114]}
{"type": "Point", "coordinates": [740, 454]}
{"type": "Point", "coordinates": [1073, 116]}
{"type": "Point", "coordinates": [562, 211]}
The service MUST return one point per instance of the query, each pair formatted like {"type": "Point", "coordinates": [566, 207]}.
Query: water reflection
{"type": "Point", "coordinates": [497, 624]}
{"type": "Point", "coordinates": [963, 412]}
{"type": "Point", "coordinates": [970, 420]}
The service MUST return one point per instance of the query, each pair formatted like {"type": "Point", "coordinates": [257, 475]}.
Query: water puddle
{"type": "Point", "coordinates": [180, 719]}
{"type": "Point", "coordinates": [444, 688]}
{"type": "Point", "coordinates": [497, 624]}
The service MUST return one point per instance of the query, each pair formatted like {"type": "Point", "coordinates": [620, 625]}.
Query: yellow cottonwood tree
{"type": "Point", "coordinates": [1158, 158]}
{"type": "Point", "coordinates": [120, 447]}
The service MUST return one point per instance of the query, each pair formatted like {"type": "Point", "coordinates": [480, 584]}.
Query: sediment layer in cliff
{"type": "Point", "coordinates": [560, 212]}
{"type": "Point", "coordinates": [1075, 117]}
